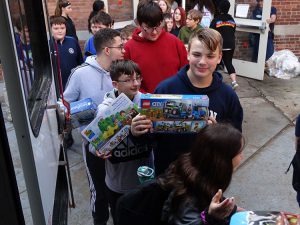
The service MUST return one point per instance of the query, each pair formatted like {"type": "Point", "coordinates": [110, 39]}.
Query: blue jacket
{"type": "Point", "coordinates": [222, 100]}
{"type": "Point", "coordinates": [89, 48]}
{"type": "Point", "coordinates": [69, 57]}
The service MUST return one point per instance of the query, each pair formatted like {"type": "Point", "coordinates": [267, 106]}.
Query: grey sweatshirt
{"type": "Point", "coordinates": [88, 80]}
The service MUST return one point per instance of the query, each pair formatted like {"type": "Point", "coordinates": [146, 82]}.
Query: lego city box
{"type": "Point", "coordinates": [175, 113]}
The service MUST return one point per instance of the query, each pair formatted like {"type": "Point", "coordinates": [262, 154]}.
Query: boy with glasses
{"type": "Point", "coordinates": [158, 53]}
{"type": "Point", "coordinates": [92, 80]}
{"type": "Point", "coordinates": [122, 163]}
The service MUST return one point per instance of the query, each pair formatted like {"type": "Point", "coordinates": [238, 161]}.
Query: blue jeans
{"type": "Point", "coordinates": [298, 198]}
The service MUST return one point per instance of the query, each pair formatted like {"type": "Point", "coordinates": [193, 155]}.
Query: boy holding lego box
{"type": "Point", "coordinates": [196, 78]}
{"type": "Point", "coordinates": [122, 163]}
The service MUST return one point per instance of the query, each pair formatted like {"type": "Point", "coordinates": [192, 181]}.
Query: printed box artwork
{"type": "Point", "coordinates": [264, 218]}
{"type": "Point", "coordinates": [82, 112]}
{"type": "Point", "coordinates": [175, 113]}
{"type": "Point", "coordinates": [112, 126]}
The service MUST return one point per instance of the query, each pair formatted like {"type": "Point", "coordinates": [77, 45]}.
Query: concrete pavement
{"type": "Point", "coordinates": [270, 108]}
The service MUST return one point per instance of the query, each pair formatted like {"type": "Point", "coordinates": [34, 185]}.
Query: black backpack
{"type": "Point", "coordinates": [142, 206]}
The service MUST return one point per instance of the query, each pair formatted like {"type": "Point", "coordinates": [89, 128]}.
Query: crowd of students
{"type": "Point", "coordinates": [180, 59]}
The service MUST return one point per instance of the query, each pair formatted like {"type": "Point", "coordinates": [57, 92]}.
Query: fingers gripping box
{"type": "Point", "coordinates": [175, 113]}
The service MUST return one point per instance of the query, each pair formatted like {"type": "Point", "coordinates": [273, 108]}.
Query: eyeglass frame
{"type": "Point", "coordinates": [160, 26]}
{"type": "Point", "coordinates": [137, 79]}
{"type": "Point", "coordinates": [120, 47]}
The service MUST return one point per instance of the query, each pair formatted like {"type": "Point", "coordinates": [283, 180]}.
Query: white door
{"type": "Point", "coordinates": [122, 11]}
{"type": "Point", "coordinates": [251, 37]}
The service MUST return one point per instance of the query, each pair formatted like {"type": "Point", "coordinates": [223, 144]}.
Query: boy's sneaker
{"type": "Point", "coordinates": [234, 85]}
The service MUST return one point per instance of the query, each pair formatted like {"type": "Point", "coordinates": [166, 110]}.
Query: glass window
{"type": "Point", "coordinates": [31, 44]}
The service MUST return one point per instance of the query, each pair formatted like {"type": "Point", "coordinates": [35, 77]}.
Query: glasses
{"type": "Point", "coordinates": [120, 47]}
{"type": "Point", "coordinates": [150, 30]}
{"type": "Point", "coordinates": [131, 81]}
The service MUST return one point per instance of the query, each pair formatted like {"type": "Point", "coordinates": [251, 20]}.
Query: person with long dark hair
{"type": "Point", "coordinates": [64, 9]}
{"type": "Point", "coordinates": [197, 179]}
{"type": "Point", "coordinates": [98, 6]}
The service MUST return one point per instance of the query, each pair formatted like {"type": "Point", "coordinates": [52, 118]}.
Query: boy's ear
{"type": "Point", "coordinates": [115, 84]}
{"type": "Point", "coordinates": [197, 21]}
{"type": "Point", "coordinates": [220, 57]}
{"type": "Point", "coordinates": [106, 50]}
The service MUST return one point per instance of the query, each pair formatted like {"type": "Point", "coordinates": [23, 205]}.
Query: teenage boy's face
{"type": "Point", "coordinates": [58, 31]}
{"type": "Point", "coordinates": [116, 50]}
{"type": "Point", "coordinates": [151, 33]}
{"type": "Point", "coordinates": [97, 26]}
{"type": "Point", "coordinates": [128, 84]}
{"type": "Point", "coordinates": [191, 23]}
{"type": "Point", "coordinates": [169, 23]}
{"type": "Point", "coordinates": [203, 61]}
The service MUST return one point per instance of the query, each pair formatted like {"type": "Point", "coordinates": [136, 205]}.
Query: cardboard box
{"type": "Point", "coordinates": [176, 113]}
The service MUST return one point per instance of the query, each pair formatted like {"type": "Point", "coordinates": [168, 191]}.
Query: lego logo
{"type": "Point", "coordinates": [146, 104]}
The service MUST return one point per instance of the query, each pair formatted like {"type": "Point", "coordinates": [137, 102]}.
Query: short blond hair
{"type": "Point", "coordinates": [211, 38]}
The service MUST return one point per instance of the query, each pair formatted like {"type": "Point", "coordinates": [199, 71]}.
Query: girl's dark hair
{"type": "Point", "coordinates": [59, 5]}
{"type": "Point", "coordinates": [208, 4]}
{"type": "Point", "coordinates": [98, 5]}
{"type": "Point", "coordinates": [120, 67]}
{"type": "Point", "coordinates": [207, 168]}
{"type": "Point", "coordinates": [149, 12]}
{"type": "Point", "coordinates": [183, 17]}
{"type": "Point", "coordinates": [224, 6]}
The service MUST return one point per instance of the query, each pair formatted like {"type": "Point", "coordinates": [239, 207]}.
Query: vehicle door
{"type": "Point", "coordinates": [32, 98]}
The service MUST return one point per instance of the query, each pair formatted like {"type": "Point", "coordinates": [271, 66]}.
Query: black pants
{"type": "Point", "coordinates": [112, 199]}
{"type": "Point", "coordinates": [227, 59]}
{"type": "Point", "coordinates": [96, 177]}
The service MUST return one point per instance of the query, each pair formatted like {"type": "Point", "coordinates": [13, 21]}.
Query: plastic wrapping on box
{"type": "Point", "coordinates": [175, 113]}
{"type": "Point", "coordinates": [283, 64]}
{"type": "Point", "coordinates": [82, 112]}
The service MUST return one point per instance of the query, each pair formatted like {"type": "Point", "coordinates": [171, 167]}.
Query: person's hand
{"type": "Point", "coordinates": [211, 120]}
{"type": "Point", "coordinates": [103, 155]}
{"type": "Point", "coordinates": [221, 210]}
{"type": "Point", "coordinates": [140, 125]}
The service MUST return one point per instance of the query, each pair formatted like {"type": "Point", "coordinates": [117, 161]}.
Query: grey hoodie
{"type": "Point", "coordinates": [121, 168]}
{"type": "Point", "coordinates": [88, 80]}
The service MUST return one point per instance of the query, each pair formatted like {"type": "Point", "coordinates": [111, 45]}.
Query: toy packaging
{"type": "Point", "coordinates": [175, 113]}
{"type": "Point", "coordinates": [264, 218]}
{"type": "Point", "coordinates": [112, 126]}
{"type": "Point", "coordinates": [82, 112]}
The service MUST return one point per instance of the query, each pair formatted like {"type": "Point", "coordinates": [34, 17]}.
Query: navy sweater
{"type": "Point", "coordinates": [222, 100]}
{"type": "Point", "coordinates": [69, 56]}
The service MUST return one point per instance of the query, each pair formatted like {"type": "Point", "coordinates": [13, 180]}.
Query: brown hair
{"type": "Point", "coordinates": [59, 5]}
{"type": "Point", "coordinates": [199, 174]}
{"type": "Point", "coordinates": [57, 20]}
{"type": "Point", "coordinates": [120, 67]}
{"type": "Point", "coordinates": [211, 38]}
{"type": "Point", "coordinates": [195, 14]}
{"type": "Point", "coordinates": [149, 12]}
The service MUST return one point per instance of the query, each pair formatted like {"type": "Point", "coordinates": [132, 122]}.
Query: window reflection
{"type": "Point", "coordinates": [24, 54]}
{"type": "Point", "coordinates": [23, 46]}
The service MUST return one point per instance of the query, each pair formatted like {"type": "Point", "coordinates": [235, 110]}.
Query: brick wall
{"type": "Point", "coordinates": [119, 10]}
{"type": "Point", "coordinates": [288, 14]}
